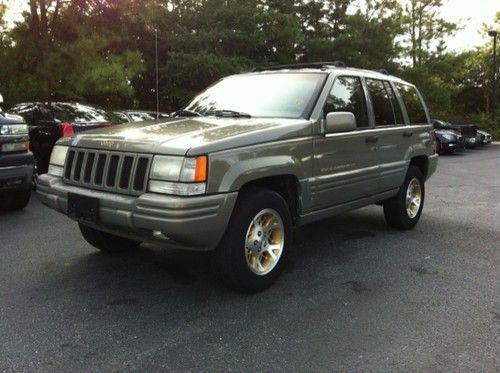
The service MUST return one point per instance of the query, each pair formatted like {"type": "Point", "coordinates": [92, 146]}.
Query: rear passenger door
{"type": "Point", "coordinates": [345, 168]}
{"type": "Point", "coordinates": [392, 133]}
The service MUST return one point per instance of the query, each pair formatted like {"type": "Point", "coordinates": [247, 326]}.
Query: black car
{"type": "Point", "coordinates": [16, 163]}
{"type": "Point", "coordinates": [449, 141]}
{"type": "Point", "coordinates": [468, 131]}
{"type": "Point", "coordinates": [48, 122]}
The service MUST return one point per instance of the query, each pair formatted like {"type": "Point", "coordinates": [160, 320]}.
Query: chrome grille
{"type": "Point", "coordinates": [119, 172]}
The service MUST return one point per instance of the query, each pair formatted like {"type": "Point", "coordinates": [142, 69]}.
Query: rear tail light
{"type": "Point", "coordinates": [66, 130]}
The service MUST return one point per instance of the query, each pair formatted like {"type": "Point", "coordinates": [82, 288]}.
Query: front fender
{"type": "Point", "coordinates": [252, 169]}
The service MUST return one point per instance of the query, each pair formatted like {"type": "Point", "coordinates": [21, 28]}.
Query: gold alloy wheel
{"type": "Point", "coordinates": [264, 242]}
{"type": "Point", "coordinates": [413, 198]}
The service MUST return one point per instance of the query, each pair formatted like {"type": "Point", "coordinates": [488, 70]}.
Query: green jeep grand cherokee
{"type": "Point", "coordinates": [247, 160]}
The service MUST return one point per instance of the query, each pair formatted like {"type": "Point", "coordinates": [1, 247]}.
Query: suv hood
{"type": "Point", "coordinates": [190, 136]}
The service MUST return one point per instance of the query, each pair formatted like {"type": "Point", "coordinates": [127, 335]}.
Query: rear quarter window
{"type": "Point", "coordinates": [385, 106]}
{"type": "Point", "coordinates": [413, 103]}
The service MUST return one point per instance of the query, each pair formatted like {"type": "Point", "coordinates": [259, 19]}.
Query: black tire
{"type": "Point", "coordinates": [395, 210]}
{"type": "Point", "coordinates": [16, 200]}
{"type": "Point", "coordinates": [34, 177]}
{"type": "Point", "coordinates": [229, 259]}
{"type": "Point", "coordinates": [106, 242]}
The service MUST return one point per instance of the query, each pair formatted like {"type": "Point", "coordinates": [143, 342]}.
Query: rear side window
{"type": "Point", "coordinates": [383, 102]}
{"type": "Point", "coordinates": [347, 95]}
{"type": "Point", "coordinates": [396, 108]}
{"type": "Point", "coordinates": [414, 106]}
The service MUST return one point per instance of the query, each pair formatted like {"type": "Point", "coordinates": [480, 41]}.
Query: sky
{"type": "Point", "coordinates": [471, 14]}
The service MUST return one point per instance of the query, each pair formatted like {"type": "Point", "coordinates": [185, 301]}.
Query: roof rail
{"type": "Point", "coordinates": [317, 65]}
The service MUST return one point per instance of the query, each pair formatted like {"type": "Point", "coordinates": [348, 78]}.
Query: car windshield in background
{"type": "Point", "coordinates": [78, 113]}
{"type": "Point", "coordinates": [281, 95]}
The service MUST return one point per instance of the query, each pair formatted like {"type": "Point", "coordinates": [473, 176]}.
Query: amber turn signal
{"type": "Point", "coordinates": [200, 171]}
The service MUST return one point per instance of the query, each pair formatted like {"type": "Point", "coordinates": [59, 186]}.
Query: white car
{"type": "Point", "coordinates": [487, 137]}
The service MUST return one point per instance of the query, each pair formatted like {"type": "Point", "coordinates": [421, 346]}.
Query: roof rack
{"type": "Point", "coordinates": [312, 65]}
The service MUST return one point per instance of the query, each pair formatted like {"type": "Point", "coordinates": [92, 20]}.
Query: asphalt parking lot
{"type": "Point", "coordinates": [356, 296]}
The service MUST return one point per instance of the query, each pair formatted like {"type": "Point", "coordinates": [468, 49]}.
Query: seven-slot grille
{"type": "Point", "coordinates": [125, 173]}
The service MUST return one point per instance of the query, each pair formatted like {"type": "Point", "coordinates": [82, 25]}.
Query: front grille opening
{"type": "Point", "coordinates": [88, 167]}
{"type": "Point", "coordinates": [78, 166]}
{"type": "Point", "coordinates": [99, 172]}
{"type": "Point", "coordinates": [126, 171]}
{"type": "Point", "coordinates": [112, 171]}
{"type": "Point", "coordinates": [69, 164]}
{"type": "Point", "coordinates": [140, 173]}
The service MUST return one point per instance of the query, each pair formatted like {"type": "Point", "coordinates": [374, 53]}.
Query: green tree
{"type": "Point", "coordinates": [425, 29]}
{"type": "Point", "coordinates": [369, 37]}
{"type": "Point", "coordinates": [64, 51]}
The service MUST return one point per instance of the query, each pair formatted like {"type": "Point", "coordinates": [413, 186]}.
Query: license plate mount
{"type": "Point", "coordinates": [83, 208]}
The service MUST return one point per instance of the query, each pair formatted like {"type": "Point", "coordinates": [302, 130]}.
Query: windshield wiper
{"type": "Point", "coordinates": [229, 113]}
{"type": "Point", "coordinates": [186, 113]}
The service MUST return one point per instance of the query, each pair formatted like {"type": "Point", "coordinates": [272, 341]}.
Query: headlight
{"type": "Point", "coordinates": [449, 137]}
{"type": "Point", "coordinates": [58, 155]}
{"type": "Point", "coordinates": [14, 129]}
{"type": "Point", "coordinates": [178, 176]}
{"type": "Point", "coordinates": [166, 168]}
{"type": "Point", "coordinates": [57, 159]}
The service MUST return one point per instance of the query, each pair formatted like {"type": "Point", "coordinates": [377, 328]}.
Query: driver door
{"type": "Point", "coordinates": [345, 167]}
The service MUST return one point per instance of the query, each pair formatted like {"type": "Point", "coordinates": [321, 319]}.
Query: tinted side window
{"type": "Point", "coordinates": [382, 105]}
{"type": "Point", "coordinates": [43, 113]}
{"type": "Point", "coordinates": [347, 94]}
{"type": "Point", "coordinates": [414, 106]}
{"type": "Point", "coordinates": [396, 108]}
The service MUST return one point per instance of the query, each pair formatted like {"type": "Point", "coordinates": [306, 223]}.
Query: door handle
{"type": "Point", "coordinates": [372, 139]}
{"type": "Point", "coordinates": [408, 134]}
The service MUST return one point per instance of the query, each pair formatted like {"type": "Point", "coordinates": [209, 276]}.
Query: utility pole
{"type": "Point", "coordinates": [494, 35]}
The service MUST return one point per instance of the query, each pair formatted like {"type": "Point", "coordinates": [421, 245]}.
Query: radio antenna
{"type": "Point", "coordinates": [157, 77]}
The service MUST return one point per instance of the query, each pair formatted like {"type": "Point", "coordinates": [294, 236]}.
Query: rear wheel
{"type": "Point", "coordinates": [252, 252]}
{"type": "Point", "coordinates": [106, 242]}
{"type": "Point", "coordinates": [403, 211]}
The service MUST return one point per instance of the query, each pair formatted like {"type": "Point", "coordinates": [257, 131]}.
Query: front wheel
{"type": "Point", "coordinates": [403, 211]}
{"type": "Point", "coordinates": [252, 252]}
{"type": "Point", "coordinates": [106, 242]}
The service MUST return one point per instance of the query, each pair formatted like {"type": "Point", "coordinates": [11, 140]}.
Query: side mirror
{"type": "Point", "coordinates": [340, 122]}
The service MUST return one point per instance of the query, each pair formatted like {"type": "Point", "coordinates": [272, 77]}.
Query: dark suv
{"type": "Point", "coordinates": [16, 163]}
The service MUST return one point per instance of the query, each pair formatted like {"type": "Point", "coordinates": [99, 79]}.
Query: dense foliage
{"type": "Point", "coordinates": [103, 51]}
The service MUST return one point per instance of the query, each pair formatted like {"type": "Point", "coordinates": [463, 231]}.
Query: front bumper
{"type": "Point", "coordinates": [196, 223]}
{"type": "Point", "coordinates": [449, 147]}
{"type": "Point", "coordinates": [16, 171]}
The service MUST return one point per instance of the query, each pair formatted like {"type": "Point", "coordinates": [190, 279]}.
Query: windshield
{"type": "Point", "coordinates": [282, 95]}
{"type": "Point", "coordinates": [77, 113]}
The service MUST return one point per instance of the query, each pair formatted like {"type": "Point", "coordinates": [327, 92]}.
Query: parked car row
{"type": "Point", "coordinates": [249, 159]}
{"type": "Point", "coordinates": [457, 137]}
{"type": "Point", "coordinates": [28, 132]}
